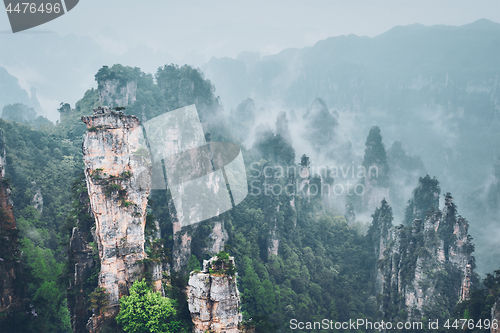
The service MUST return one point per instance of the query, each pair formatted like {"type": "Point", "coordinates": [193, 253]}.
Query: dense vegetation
{"type": "Point", "coordinates": [145, 311]}
{"type": "Point", "coordinates": [323, 267]}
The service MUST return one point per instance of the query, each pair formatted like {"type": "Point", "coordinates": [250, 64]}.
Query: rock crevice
{"type": "Point", "coordinates": [214, 300]}
{"type": "Point", "coordinates": [118, 180]}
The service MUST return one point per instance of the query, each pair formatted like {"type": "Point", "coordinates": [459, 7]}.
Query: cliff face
{"type": "Point", "coordinates": [426, 264]}
{"type": "Point", "coordinates": [112, 92]}
{"type": "Point", "coordinates": [82, 257]}
{"type": "Point", "coordinates": [381, 235]}
{"type": "Point", "coordinates": [213, 298]}
{"type": "Point", "coordinates": [118, 182]}
{"type": "Point", "coordinates": [10, 264]}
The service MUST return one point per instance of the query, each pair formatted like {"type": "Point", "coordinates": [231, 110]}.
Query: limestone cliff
{"type": "Point", "coordinates": [116, 93]}
{"type": "Point", "coordinates": [83, 258]}
{"type": "Point", "coordinates": [424, 264]}
{"type": "Point", "coordinates": [218, 238]}
{"type": "Point", "coordinates": [380, 233]}
{"type": "Point", "coordinates": [118, 181]}
{"type": "Point", "coordinates": [213, 297]}
{"type": "Point", "coordinates": [10, 256]}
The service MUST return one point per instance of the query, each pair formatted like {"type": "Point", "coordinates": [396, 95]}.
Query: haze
{"type": "Point", "coordinates": [196, 30]}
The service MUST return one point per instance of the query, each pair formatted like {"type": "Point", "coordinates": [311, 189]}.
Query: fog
{"type": "Point", "coordinates": [233, 42]}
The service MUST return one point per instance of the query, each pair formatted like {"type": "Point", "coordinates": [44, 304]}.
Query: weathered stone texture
{"type": "Point", "coordinates": [412, 258]}
{"type": "Point", "coordinates": [80, 253]}
{"type": "Point", "coordinates": [112, 93]}
{"type": "Point", "coordinates": [214, 301]}
{"type": "Point", "coordinates": [118, 182]}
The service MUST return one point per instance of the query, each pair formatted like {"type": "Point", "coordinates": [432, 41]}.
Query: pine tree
{"type": "Point", "coordinates": [425, 198]}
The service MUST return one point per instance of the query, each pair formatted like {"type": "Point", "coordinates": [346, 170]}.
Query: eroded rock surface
{"type": "Point", "coordinates": [81, 256]}
{"type": "Point", "coordinates": [427, 263]}
{"type": "Point", "coordinates": [118, 182]}
{"type": "Point", "coordinates": [214, 300]}
{"type": "Point", "coordinates": [113, 92]}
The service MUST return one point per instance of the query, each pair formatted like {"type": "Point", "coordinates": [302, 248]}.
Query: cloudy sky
{"type": "Point", "coordinates": [205, 28]}
{"type": "Point", "coordinates": [148, 34]}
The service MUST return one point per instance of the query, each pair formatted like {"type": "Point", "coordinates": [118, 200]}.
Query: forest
{"type": "Point", "coordinates": [306, 254]}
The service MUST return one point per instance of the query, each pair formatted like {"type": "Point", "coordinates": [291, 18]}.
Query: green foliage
{"type": "Point", "coordinates": [99, 300]}
{"type": "Point", "coordinates": [122, 74]}
{"type": "Point", "coordinates": [320, 261]}
{"type": "Point", "coordinates": [19, 112]}
{"type": "Point", "coordinates": [222, 265]}
{"type": "Point", "coordinates": [114, 188]}
{"type": "Point", "coordinates": [425, 198]}
{"type": "Point", "coordinates": [194, 264]}
{"type": "Point", "coordinates": [145, 311]}
{"type": "Point", "coordinates": [274, 148]}
{"type": "Point", "coordinates": [478, 306]}
{"type": "Point", "coordinates": [126, 203]}
{"type": "Point", "coordinates": [126, 174]}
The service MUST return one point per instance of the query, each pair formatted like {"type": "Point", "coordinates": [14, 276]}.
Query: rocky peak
{"type": "Point", "coordinates": [380, 234]}
{"type": "Point", "coordinates": [118, 180]}
{"type": "Point", "coordinates": [213, 296]}
{"type": "Point", "coordinates": [426, 263]}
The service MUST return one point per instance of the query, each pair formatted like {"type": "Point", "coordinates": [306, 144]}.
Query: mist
{"type": "Point", "coordinates": [441, 108]}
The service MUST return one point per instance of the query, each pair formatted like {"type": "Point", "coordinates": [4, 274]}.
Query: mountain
{"type": "Point", "coordinates": [435, 89]}
{"type": "Point", "coordinates": [11, 92]}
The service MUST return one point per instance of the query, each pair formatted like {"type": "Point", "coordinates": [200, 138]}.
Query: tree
{"type": "Point", "coordinates": [19, 112]}
{"type": "Point", "coordinates": [194, 264]}
{"type": "Point", "coordinates": [145, 311]}
{"type": "Point", "coordinates": [99, 300]}
{"type": "Point", "coordinates": [425, 198]}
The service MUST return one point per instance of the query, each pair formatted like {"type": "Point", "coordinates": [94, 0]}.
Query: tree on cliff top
{"type": "Point", "coordinates": [145, 311]}
{"type": "Point", "coordinates": [425, 197]}
{"type": "Point", "coordinates": [123, 74]}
